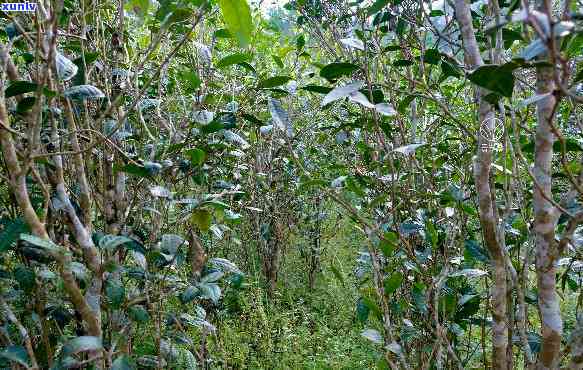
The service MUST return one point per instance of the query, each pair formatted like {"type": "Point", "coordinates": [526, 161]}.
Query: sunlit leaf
{"type": "Point", "coordinates": [237, 16]}
{"type": "Point", "coordinates": [81, 344]}
{"type": "Point", "coordinates": [353, 43]}
{"type": "Point", "coordinates": [408, 149]}
{"type": "Point", "coordinates": [84, 92]}
{"type": "Point", "coordinates": [341, 92]}
{"type": "Point", "coordinates": [66, 69]}
{"type": "Point", "coordinates": [372, 335]}
{"type": "Point", "coordinates": [469, 273]}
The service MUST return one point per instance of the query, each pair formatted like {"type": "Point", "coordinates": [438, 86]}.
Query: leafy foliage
{"type": "Point", "coordinates": [232, 184]}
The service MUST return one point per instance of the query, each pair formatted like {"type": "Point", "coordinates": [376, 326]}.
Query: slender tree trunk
{"type": "Point", "coordinates": [545, 221]}
{"type": "Point", "coordinates": [486, 197]}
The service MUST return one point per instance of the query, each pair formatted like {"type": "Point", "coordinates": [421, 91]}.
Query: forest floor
{"type": "Point", "coordinates": [300, 328]}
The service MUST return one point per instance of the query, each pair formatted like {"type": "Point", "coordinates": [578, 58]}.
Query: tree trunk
{"type": "Point", "coordinates": [486, 196]}
{"type": "Point", "coordinates": [545, 221]}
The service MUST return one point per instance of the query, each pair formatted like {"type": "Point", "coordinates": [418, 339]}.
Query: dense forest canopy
{"type": "Point", "coordinates": [390, 184]}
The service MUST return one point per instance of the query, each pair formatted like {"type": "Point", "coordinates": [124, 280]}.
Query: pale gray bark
{"type": "Point", "coordinates": [486, 197]}
{"type": "Point", "coordinates": [545, 221]}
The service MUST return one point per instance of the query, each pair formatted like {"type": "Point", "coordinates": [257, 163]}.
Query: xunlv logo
{"type": "Point", "coordinates": [18, 7]}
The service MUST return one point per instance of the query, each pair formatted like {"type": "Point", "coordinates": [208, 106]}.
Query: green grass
{"type": "Point", "coordinates": [299, 328]}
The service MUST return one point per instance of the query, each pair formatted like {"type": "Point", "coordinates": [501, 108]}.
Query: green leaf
{"type": "Point", "coordinates": [115, 293]}
{"type": "Point", "coordinates": [201, 218]}
{"type": "Point", "coordinates": [212, 127]}
{"type": "Point", "coordinates": [393, 282]}
{"type": "Point", "coordinates": [139, 314]}
{"type": "Point", "coordinates": [273, 82]}
{"type": "Point", "coordinates": [498, 79]}
{"type": "Point", "coordinates": [42, 243]}
{"type": "Point", "coordinates": [335, 70]}
{"type": "Point", "coordinates": [574, 46]}
{"type": "Point", "coordinates": [418, 294]}
{"type": "Point", "coordinates": [132, 169]}
{"type": "Point", "coordinates": [401, 26]}
{"type": "Point", "coordinates": [19, 87]}
{"type": "Point", "coordinates": [387, 245]}
{"type": "Point", "coordinates": [189, 294]}
{"type": "Point", "coordinates": [190, 79]}
{"type": "Point", "coordinates": [402, 63]}
{"type": "Point", "coordinates": [25, 104]}
{"type": "Point", "coordinates": [237, 17]}
{"type": "Point", "coordinates": [16, 354]}
{"type": "Point", "coordinates": [248, 67]}
{"type": "Point", "coordinates": [372, 306]}
{"type": "Point", "coordinates": [394, 47]}
{"type": "Point", "coordinates": [80, 75]}
{"type": "Point", "coordinates": [317, 89]}
{"type": "Point", "coordinates": [431, 233]}
{"type": "Point", "coordinates": [26, 278]}
{"type": "Point", "coordinates": [223, 33]}
{"type": "Point", "coordinates": [475, 251]}
{"type": "Point", "coordinates": [377, 6]}
{"type": "Point", "coordinates": [432, 56]}
{"type": "Point", "coordinates": [27, 57]}
{"type": "Point", "coordinates": [233, 59]}
{"type": "Point", "coordinates": [197, 156]}
{"type": "Point", "coordinates": [178, 15]}
{"type": "Point", "coordinates": [509, 36]}
{"type": "Point", "coordinates": [449, 69]}
{"type": "Point", "coordinates": [362, 311]}
{"type": "Point", "coordinates": [252, 119]}
{"type": "Point", "coordinates": [112, 242]}
{"type": "Point", "coordinates": [277, 61]}
{"type": "Point", "coordinates": [337, 273]}
{"type": "Point", "coordinates": [11, 230]}
{"type": "Point", "coordinates": [579, 76]}
{"type": "Point", "coordinates": [123, 362]}
{"type": "Point", "coordinates": [571, 145]}
{"type": "Point", "coordinates": [300, 42]}
{"type": "Point", "coordinates": [404, 104]}
{"type": "Point", "coordinates": [81, 344]}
